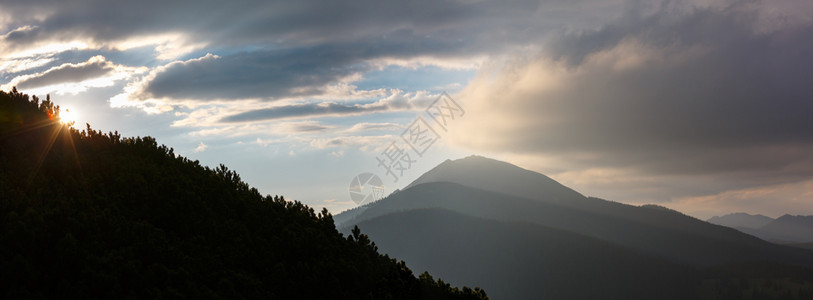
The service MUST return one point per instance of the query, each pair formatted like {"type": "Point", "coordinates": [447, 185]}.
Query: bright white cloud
{"type": "Point", "coordinates": [17, 65]}
{"type": "Point", "coordinates": [74, 78]}
{"type": "Point", "coordinates": [167, 45]}
{"type": "Point", "coordinates": [201, 147]}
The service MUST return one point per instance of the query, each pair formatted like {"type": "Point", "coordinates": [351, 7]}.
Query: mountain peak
{"type": "Point", "coordinates": [473, 161]}
{"type": "Point", "coordinates": [491, 174]}
{"type": "Point", "coordinates": [741, 220]}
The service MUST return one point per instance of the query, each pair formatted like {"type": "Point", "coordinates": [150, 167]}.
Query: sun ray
{"type": "Point", "coordinates": [56, 128]}
{"type": "Point", "coordinates": [68, 134]}
{"type": "Point", "coordinates": [26, 128]}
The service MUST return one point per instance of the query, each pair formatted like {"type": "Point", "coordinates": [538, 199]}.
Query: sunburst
{"type": "Point", "coordinates": [68, 116]}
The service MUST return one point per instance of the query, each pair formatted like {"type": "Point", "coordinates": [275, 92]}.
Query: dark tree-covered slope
{"type": "Point", "coordinates": [93, 215]}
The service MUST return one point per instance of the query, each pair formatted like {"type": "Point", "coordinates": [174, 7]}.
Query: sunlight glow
{"type": "Point", "coordinates": [46, 48]}
{"type": "Point", "coordinates": [67, 116]}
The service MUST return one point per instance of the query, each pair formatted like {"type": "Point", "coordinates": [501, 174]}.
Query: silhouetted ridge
{"type": "Point", "coordinates": [475, 204]}
{"type": "Point", "coordinates": [93, 215]}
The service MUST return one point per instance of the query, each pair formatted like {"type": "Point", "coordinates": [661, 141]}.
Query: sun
{"type": "Point", "coordinates": [67, 116]}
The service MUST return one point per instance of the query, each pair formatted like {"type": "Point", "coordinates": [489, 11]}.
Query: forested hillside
{"type": "Point", "coordinates": [93, 215]}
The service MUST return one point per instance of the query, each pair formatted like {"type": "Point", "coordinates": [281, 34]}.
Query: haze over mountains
{"type": "Point", "coordinates": [786, 229]}
{"type": "Point", "coordinates": [741, 220]}
{"type": "Point", "coordinates": [529, 236]}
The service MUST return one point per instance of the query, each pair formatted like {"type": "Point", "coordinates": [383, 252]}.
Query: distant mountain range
{"type": "Point", "coordinates": [786, 229]}
{"type": "Point", "coordinates": [521, 235]}
{"type": "Point", "coordinates": [741, 220]}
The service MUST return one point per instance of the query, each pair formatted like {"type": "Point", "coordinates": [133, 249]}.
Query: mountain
{"type": "Point", "coordinates": [492, 193]}
{"type": "Point", "coordinates": [93, 215]}
{"type": "Point", "coordinates": [522, 260]}
{"type": "Point", "coordinates": [803, 245]}
{"type": "Point", "coordinates": [786, 229]}
{"type": "Point", "coordinates": [741, 220]}
{"type": "Point", "coordinates": [465, 186]}
{"type": "Point", "coordinates": [501, 177]}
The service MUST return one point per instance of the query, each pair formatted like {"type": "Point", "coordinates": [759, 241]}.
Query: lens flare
{"type": "Point", "coordinates": [67, 116]}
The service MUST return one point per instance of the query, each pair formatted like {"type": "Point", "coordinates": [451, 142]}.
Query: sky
{"type": "Point", "coordinates": [701, 106]}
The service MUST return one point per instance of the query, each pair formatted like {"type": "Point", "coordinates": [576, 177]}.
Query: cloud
{"type": "Point", "coordinates": [384, 30]}
{"type": "Point", "coordinates": [261, 74]}
{"type": "Point", "coordinates": [298, 111]}
{"type": "Point", "coordinates": [96, 66]}
{"type": "Point", "coordinates": [259, 22]}
{"type": "Point", "coordinates": [295, 128]}
{"type": "Point", "coordinates": [309, 127]}
{"type": "Point", "coordinates": [71, 78]}
{"type": "Point", "coordinates": [263, 142]}
{"type": "Point", "coordinates": [276, 50]}
{"type": "Point", "coordinates": [364, 143]}
{"type": "Point", "coordinates": [677, 94]}
{"type": "Point", "coordinates": [17, 65]}
{"type": "Point", "coordinates": [201, 147]}
{"type": "Point", "coordinates": [784, 198]}
{"type": "Point", "coordinates": [396, 101]}
{"type": "Point", "coordinates": [320, 72]}
{"type": "Point", "coordinates": [367, 126]}
{"type": "Point", "coordinates": [19, 35]}
{"type": "Point", "coordinates": [677, 98]}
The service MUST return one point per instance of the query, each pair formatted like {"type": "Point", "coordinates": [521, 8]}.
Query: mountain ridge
{"type": "Point", "coordinates": [514, 180]}
{"type": "Point", "coordinates": [741, 220]}
{"type": "Point", "coordinates": [474, 192]}
{"type": "Point", "coordinates": [787, 229]}
{"type": "Point", "coordinates": [523, 260]}
{"type": "Point", "coordinates": [493, 205]}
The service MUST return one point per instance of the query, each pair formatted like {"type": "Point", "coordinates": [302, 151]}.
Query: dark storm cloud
{"type": "Point", "coordinates": [298, 47]}
{"type": "Point", "coordinates": [21, 35]}
{"type": "Point", "coordinates": [253, 22]}
{"type": "Point", "coordinates": [259, 74]}
{"type": "Point", "coordinates": [274, 74]}
{"type": "Point", "coordinates": [93, 68]}
{"type": "Point", "coordinates": [742, 88]}
{"type": "Point", "coordinates": [702, 91]}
